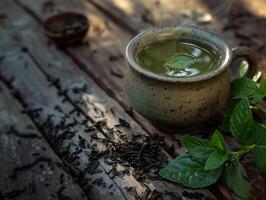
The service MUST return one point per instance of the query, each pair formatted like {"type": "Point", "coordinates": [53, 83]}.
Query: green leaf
{"type": "Point", "coordinates": [191, 142]}
{"type": "Point", "coordinates": [241, 122]}
{"type": "Point", "coordinates": [201, 153]}
{"type": "Point", "coordinates": [261, 93]}
{"type": "Point", "coordinates": [258, 138]}
{"type": "Point", "coordinates": [217, 157]}
{"type": "Point", "coordinates": [262, 86]}
{"type": "Point", "coordinates": [234, 179]}
{"type": "Point", "coordinates": [190, 172]}
{"type": "Point", "coordinates": [217, 141]}
{"type": "Point", "coordinates": [180, 62]}
{"type": "Point", "coordinates": [215, 160]}
{"type": "Point", "coordinates": [243, 87]}
{"type": "Point", "coordinates": [197, 147]}
{"type": "Point", "coordinates": [201, 149]}
{"type": "Point", "coordinates": [225, 125]}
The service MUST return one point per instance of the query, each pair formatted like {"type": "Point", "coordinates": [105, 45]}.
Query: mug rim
{"type": "Point", "coordinates": [130, 51]}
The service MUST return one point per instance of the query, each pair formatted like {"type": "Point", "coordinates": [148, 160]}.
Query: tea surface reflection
{"type": "Point", "coordinates": [178, 58]}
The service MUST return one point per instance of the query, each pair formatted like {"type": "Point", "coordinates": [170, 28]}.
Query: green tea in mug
{"type": "Point", "coordinates": [178, 57]}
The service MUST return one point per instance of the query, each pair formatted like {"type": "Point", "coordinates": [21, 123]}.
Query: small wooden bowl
{"type": "Point", "coordinates": [66, 28]}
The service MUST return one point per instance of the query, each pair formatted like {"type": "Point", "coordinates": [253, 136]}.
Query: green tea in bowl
{"type": "Point", "coordinates": [179, 77]}
{"type": "Point", "coordinates": [178, 57]}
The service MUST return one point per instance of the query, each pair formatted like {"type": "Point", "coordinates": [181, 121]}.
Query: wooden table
{"type": "Point", "coordinates": [59, 108]}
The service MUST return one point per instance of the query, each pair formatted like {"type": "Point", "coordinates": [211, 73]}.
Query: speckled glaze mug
{"type": "Point", "coordinates": [171, 102]}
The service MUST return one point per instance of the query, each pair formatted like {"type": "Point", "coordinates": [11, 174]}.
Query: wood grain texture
{"type": "Point", "coordinates": [139, 15]}
{"type": "Point", "coordinates": [44, 106]}
{"type": "Point", "coordinates": [91, 101]}
{"type": "Point", "coordinates": [107, 41]}
{"type": "Point", "coordinates": [29, 169]}
{"type": "Point", "coordinates": [102, 56]}
{"type": "Point", "coordinates": [238, 22]}
{"type": "Point", "coordinates": [36, 97]}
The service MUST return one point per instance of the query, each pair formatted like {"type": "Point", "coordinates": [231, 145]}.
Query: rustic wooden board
{"type": "Point", "coordinates": [29, 169]}
{"type": "Point", "coordinates": [73, 78]}
{"type": "Point", "coordinates": [88, 53]}
{"type": "Point", "coordinates": [238, 22]}
{"type": "Point", "coordinates": [44, 103]}
{"type": "Point", "coordinates": [242, 22]}
{"type": "Point", "coordinates": [106, 40]}
{"type": "Point", "coordinates": [170, 13]}
{"type": "Point", "coordinates": [88, 58]}
{"type": "Point", "coordinates": [36, 97]}
{"type": "Point", "coordinates": [138, 15]}
{"type": "Point", "coordinates": [102, 56]}
{"type": "Point", "coordinates": [246, 32]}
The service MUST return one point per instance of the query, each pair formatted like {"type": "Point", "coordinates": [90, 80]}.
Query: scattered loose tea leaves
{"type": "Point", "coordinates": [144, 155]}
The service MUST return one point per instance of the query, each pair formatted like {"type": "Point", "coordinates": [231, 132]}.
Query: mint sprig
{"type": "Point", "coordinates": [241, 121]}
{"type": "Point", "coordinates": [207, 160]}
{"type": "Point", "coordinates": [180, 62]}
{"type": "Point", "coordinates": [234, 179]}
{"type": "Point", "coordinates": [245, 87]}
{"type": "Point", "coordinates": [259, 139]}
{"type": "Point", "coordinates": [189, 171]}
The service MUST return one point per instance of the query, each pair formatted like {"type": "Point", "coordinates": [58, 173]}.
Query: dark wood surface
{"type": "Point", "coordinates": [29, 167]}
{"type": "Point", "coordinates": [65, 93]}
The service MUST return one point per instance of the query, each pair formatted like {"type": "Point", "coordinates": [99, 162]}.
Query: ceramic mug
{"type": "Point", "coordinates": [171, 102]}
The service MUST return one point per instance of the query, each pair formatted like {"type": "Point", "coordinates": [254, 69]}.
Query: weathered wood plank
{"type": "Point", "coordinates": [73, 78]}
{"type": "Point", "coordinates": [237, 22]}
{"type": "Point", "coordinates": [29, 169]}
{"type": "Point", "coordinates": [138, 15]}
{"type": "Point", "coordinates": [81, 59]}
{"type": "Point", "coordinates": [45, 108]}
{"type": "Point", "coordinates": [36, 97]}
{"type": "Point", "coordinates": [77, 79]}
{"type": "Point", "coordinates": [81, 55]}
{"type": "Point", "coordinates": [102, 56]}
{"type": "Point", "coordinates": [141, 15]}
{"type": "Point", "coordinates": [87, 57]}
{"type": "Point", "coordinates": [161, 13]}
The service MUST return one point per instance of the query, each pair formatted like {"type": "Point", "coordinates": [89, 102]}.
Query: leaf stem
{"type": "Point", "coordinates": [241, 152]}
{"type": "Point", "coordinates": [260, 146]}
